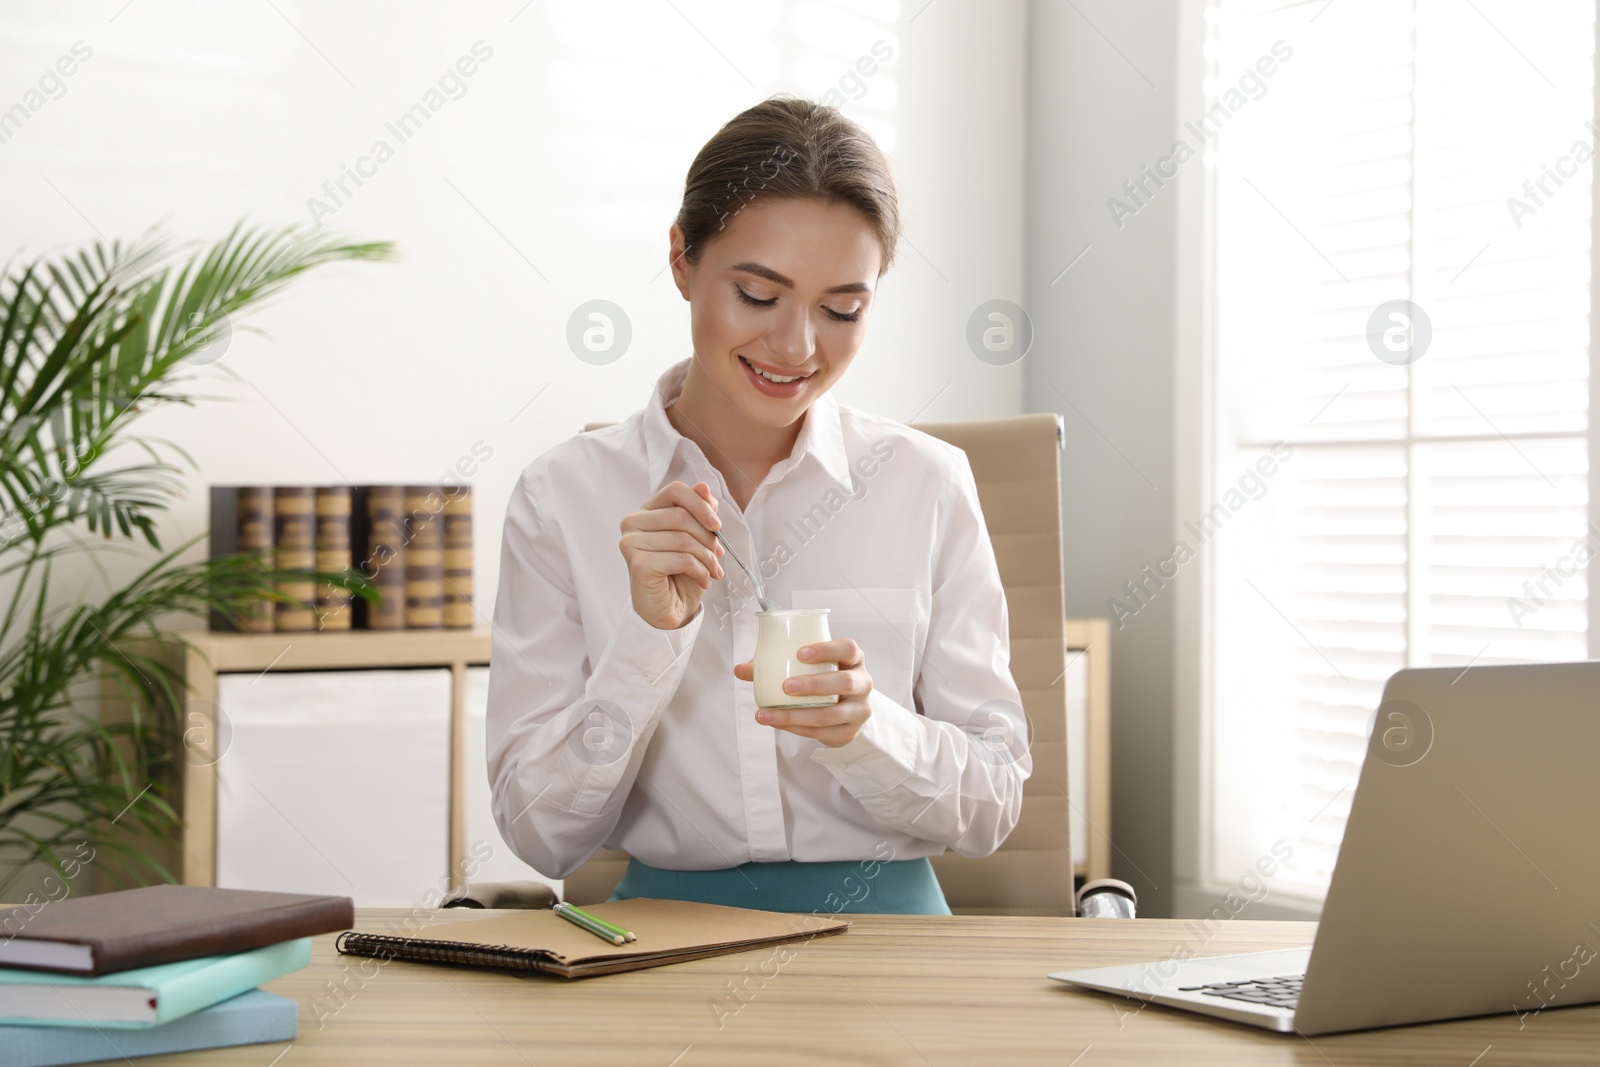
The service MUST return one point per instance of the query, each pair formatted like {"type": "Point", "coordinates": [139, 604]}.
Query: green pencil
{"type": "Point", "coordinates": [589, 923]}
{"type": "Point", "coordinates": [627, 935]}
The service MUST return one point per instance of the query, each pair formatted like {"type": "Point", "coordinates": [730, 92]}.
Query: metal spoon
{"type": "Point", "coordinates": [766, 605]}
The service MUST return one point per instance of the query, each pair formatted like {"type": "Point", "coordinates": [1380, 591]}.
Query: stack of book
{"type": "Point", "coordinates": [160, 969]}
{"type": "Point", "coordinates": [414, 542]}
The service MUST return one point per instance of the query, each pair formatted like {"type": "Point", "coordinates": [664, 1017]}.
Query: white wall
{"type": "Point", "coordinates": [1103, 91]}
{"type": "Point", "coordinates": [550, 182]}
{"type": "Point", "coordinates": [565, 157]}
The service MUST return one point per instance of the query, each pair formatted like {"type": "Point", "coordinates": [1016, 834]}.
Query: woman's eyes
{"type": "Point", "coordinates": [753, 302]}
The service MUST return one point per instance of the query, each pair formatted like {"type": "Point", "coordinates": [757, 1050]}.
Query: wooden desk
{"type": "Point", "coordinates": [892, 990]}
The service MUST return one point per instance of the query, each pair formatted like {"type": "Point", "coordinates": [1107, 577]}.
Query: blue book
{"type": "Point", "coordinates": [144, 996]}
{"type": "Point", "coordinates": [248, 1019]}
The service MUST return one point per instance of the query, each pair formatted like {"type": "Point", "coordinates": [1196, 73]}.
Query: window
{"type": "Point", "coordinates": [1398, 199]}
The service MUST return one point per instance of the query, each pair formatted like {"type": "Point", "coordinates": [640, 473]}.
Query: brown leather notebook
{"type": "Point", "coordinates": [668, 931]}
{"type": "Point", "coordinates": [114, 932]}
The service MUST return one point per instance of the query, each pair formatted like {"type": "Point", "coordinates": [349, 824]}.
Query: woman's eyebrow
{"type": "Point", "coordinates": [773, 276]}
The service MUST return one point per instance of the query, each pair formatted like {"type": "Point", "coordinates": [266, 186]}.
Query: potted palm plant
{"type": "Point", "coordinates": [89, 341]}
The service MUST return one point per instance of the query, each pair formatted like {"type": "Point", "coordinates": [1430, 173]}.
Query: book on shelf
{"type": "Point", "coordinates": [109, 932]}
{"type": "Point", "coordinates": [241, 521]}
{"type": "Point", "coordinates": [143, 996]}
{"type": "Point", "coordinates": [412, 542]}
{"type": "Point", "coordinates": [333, 554]}
{"type": "Point", "coordinates": [375, 533]}
{"type": "Point", "coordinates": [251, 1018]}
{"type": "Point", "coordinates": [294, 540]}
{"type": "Point", "coordinates": [423, 529]}
{"type": "Point", "coordinates": [458, 613]}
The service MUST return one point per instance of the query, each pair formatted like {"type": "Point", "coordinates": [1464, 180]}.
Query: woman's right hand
{"type": "Point", "coordinates": [671, 553]}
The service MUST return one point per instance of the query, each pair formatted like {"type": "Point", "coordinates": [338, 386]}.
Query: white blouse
{"type": "Point", "coordinates": [604, 731]}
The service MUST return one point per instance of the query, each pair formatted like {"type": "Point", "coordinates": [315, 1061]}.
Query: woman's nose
{"type": "Point", "coordinates": [794, 339]}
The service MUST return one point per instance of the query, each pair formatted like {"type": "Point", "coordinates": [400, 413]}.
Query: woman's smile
{"type": "Point", "coordinates": [767, 387]}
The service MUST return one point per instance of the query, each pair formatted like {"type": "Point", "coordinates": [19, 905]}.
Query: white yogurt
{"type": "Point", "coordinates": [779, 635]}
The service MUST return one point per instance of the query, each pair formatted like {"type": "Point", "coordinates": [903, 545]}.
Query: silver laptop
{"type": "Point", "coordinates": [1468, 882]}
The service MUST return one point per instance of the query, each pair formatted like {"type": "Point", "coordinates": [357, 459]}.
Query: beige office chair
{"type": "Point", "coordinates": [1017, 465]}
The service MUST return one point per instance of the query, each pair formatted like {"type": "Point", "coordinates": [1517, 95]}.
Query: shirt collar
{"type": "Point", "coordinates": [821, 433]}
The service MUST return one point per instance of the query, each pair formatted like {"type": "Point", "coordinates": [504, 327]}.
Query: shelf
{"type": "Point", "coordinates": [339, 649]}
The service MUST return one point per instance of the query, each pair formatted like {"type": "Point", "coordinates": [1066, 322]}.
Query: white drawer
{"type": "Point", "coordinates": [335, 782]}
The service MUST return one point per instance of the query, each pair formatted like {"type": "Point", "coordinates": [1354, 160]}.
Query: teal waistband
{"type": "Point", "coordinates": [892, 887]}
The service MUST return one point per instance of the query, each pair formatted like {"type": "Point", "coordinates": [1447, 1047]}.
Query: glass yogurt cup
{"type": "Point", "coordinates": [779, 635]}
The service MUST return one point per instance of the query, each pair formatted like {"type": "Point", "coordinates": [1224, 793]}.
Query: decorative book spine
{"type": "Point", "coordinates": [424, 536]}
{"type": "Point", "coordinates": [458, 559]}
{"type": "Point", "coordinates": [255, 536]}
{"type": "Point", "coordinates": [386, 557]}
{"type": "Point", "coordinates": [333, 554]}
{"type": "Point", "coordinates": [296, 548]}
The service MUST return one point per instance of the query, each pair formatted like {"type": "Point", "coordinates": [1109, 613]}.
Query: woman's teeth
{"type": "Point", "coordinates": [774, 377]}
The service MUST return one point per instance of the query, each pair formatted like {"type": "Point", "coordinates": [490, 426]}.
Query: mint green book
{"type": "Point", "coordinates": [248, 1019]}
{"type": "Point", "coordinates": [145, 996]}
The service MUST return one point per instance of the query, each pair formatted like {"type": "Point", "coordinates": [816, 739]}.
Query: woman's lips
{"type": "Point", "coordinates": [771, 388]}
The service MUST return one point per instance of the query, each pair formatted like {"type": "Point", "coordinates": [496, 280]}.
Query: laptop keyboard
{"type": "Point", "coordinates": [1281, 992]}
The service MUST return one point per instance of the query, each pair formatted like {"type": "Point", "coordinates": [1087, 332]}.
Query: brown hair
{"type": "Point", "coordinates": [787, 146]}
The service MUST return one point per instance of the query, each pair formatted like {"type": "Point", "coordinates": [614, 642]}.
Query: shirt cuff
{"type": "Point", "coordinates": [883, 752]}
{"type": "Point", "coordinates": [639, 648]}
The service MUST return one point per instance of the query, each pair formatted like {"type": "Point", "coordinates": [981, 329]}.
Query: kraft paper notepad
{"type": "Point", "coordinates": [668, 931]}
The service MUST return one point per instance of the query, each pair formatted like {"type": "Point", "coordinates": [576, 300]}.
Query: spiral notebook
{"type": "Point", "coordinates": [668, 931]}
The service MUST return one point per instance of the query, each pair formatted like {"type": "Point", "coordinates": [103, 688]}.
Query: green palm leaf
{"type": "Point", "coordinates": [90, 340]}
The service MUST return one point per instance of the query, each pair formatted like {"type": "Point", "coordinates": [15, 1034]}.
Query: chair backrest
{"type": "Point", "coordinates": [1016, 463]}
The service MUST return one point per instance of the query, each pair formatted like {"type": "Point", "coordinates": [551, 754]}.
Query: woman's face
{"type": "Point", "coordinates": [786, 287]}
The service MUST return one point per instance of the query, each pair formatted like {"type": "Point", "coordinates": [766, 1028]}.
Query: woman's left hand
{"type": "Point", "coordinates": [832, 724]}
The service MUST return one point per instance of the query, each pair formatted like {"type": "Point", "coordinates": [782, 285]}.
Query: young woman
{"type": "Point", "coordinates": [621, 709]}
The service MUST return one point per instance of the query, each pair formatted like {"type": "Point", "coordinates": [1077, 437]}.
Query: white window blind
{"type": "Point", "coordinates": [1425, 508]}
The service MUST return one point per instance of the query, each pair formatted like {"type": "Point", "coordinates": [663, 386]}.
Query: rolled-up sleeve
{"type": "Point", "coordinates": [564, 744]}
{"type": "Point", "coordinates": [954, 773]}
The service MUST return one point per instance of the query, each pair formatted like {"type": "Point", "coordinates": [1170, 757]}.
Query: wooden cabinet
{"type": "Point", "coordinates": [354, 763]}
{"type": "Point", "coordinates": [350, 744]}
{"type": "Point", "coordinates": [1088, 684]}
